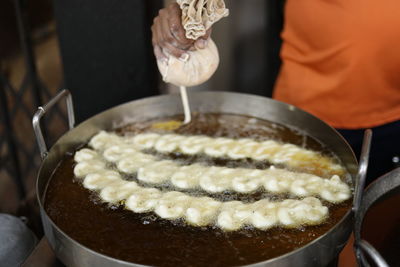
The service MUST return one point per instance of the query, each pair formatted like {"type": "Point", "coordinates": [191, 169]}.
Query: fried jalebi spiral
{"type": "Point", "coordinates": [196, 211]}
{"type": "Point", "coordinates": [277, 153]}
{"type": "Point", "coordinates": [212, 179]}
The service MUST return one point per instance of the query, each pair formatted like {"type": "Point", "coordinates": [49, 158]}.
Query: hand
{"type": "Point", "coordinates": [169, 35]}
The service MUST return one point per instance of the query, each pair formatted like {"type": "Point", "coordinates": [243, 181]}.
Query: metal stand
{"type": "Point", "coordinates": [17, 154]}
{"type": "Point", "coordinates": [8, 138]}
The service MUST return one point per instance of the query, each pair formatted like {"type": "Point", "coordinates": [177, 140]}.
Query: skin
{"type": "Point", "coordinates": [168, 35]}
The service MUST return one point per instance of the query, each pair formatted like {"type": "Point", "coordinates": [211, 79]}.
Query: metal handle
{"type": "Point", "coordinates": [364, 246]}
{"type": "Point", "coordinates": [42, 110]}
{"type": "Point", "coordinates": [362, 170]}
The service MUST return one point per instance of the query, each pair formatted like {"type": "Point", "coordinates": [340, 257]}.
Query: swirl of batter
{"type": "Point", "coordinates": [288, 154]}
{"type": "Point", "coordinates": [197, 211]}
{"type": "Point", "coordinates": [213, 179]}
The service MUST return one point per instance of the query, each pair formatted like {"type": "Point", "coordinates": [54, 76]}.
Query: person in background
{"type": "Point", "coordinates": [339, 62]}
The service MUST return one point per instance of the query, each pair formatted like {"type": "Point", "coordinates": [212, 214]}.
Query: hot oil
{"type": "Point", "coordinates": [147, 239]}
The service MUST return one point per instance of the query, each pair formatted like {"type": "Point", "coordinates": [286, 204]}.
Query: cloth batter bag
{"type": "Point", "coordinates": [197, 17]}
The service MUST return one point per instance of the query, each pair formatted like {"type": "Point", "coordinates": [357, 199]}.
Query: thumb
{"type": "Point", "coordinates": [201, 43]}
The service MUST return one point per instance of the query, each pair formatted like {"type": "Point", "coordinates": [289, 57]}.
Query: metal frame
{"type": "Point", "coordinates": [360, 245]}
{"type": "Point", "coordinates": [362, 170]}
{"type": "Point", "coordinates": [13, 102]}
{"type": "Point", "coordinates": [9, 139]}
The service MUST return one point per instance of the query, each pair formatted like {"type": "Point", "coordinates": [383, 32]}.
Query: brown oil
{"type": "Point", "coordinates": [147, 239]}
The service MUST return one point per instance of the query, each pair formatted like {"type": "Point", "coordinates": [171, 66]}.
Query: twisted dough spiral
{"type": "Point", "coordinates": [197, 211]}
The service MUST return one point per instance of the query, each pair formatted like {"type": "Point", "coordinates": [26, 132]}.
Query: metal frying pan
{"type": "Point", "coordinates": [319, 252]}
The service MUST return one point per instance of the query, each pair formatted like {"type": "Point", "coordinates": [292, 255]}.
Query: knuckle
{"type": "Point", "coordinates": [177, 54]}
{"type": "Point", "coordinates": [174, 6]}
{"type": "Point", "coordinates": [175, 28]}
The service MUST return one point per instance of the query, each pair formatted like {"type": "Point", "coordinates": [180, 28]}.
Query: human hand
{"type": "Point", "coordinates": [168, 35]}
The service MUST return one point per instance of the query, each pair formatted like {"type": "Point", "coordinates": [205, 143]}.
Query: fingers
{"type": "Point", "coordinates": [176, 52]}
{"type": "Point", "coordinates": [159, 54]}
{"type": "Point", "coordinates": [202, 42]}
{"type": "Point", "coordinates": [163, 42]}
{"type": "Point", "coordinates": [168, 34]}
{"type": "Point", "coordinates": [176, 28]}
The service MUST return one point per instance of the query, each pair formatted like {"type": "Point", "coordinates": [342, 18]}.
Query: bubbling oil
{"type": "Point", "coordinates": [148, 239]}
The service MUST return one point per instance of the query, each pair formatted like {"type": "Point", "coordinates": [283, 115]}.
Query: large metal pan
{"type": "Point", "coordinates": [317, 253]}
{"type": "Point", "coordinates": [385, 186]}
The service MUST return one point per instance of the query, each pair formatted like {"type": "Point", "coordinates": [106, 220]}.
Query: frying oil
{"type": "Point", "coordinates": [147, 239]}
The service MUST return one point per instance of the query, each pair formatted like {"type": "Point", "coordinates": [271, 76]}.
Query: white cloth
{"type": "Point", "coordinates": [197, 17]}
{"type": "Point", "coordinates": [200, 66]}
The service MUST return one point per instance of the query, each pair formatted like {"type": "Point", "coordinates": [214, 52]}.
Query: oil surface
{"type": "Point", "coordinates": [147, 239]}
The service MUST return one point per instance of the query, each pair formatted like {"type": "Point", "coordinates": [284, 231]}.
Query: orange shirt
{"type": "Point", "coordinates": [341, 60]}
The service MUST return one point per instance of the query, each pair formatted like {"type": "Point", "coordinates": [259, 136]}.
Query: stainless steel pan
{"type": "Point", "coordinates": [317, 253]}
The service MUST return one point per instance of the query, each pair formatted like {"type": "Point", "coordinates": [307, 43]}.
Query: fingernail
{"type": "Point", "coordinates": [184, 57]}
{"type": "Point", "coordinates": [201, 43]}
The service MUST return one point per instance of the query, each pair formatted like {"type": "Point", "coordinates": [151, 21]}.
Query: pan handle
{"type": "Point", "coordinates": [360, 245]}
{"type": "Point", "coordinates": [42, 110]}
{"type": "Point", "coordinates": [372, 253]}
{"type": "Point", "coordinates": [362, 170]}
